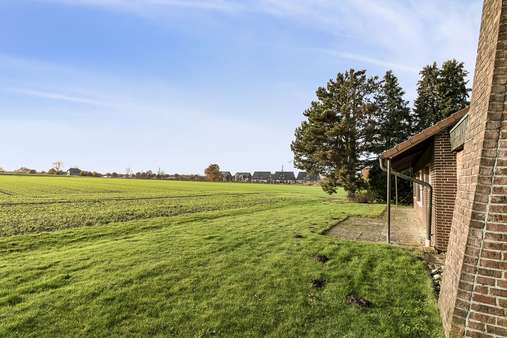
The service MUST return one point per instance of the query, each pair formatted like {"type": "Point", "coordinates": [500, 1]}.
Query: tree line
{"type": "Point", "coordinates": [148, 174]}
{"type": "Point", "coordinates": [355, 117]}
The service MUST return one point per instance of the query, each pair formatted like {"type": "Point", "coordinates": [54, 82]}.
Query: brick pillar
{"type": "Point", "coordinates": [473, 300]}
{"type": "Point", "coordinates": [444, 188]}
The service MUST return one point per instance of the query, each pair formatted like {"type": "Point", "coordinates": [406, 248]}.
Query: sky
{"type": "Point", "coordinates": [107, 85]}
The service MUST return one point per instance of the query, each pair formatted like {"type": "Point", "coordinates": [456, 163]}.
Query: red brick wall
{"type": "Point", "coordinates": [443, 179]}
{"type": "Point", "coordinates": [473, 298]}
{"type": "Point", "coordinates": [444, 188]}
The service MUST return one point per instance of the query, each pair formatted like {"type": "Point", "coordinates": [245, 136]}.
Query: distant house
{"type": "Point", "coordinates": [304, 177]}
{"type": "Point", "coordinates": [226, 176]}
{"type": "Point", "coordinates": [243, 177]}
{"type": "Point", "coordinates": [74, 172]}
{"type": "Point", "coordinates": [24, 170]}
{"type": "Point", "coordinates": [284, 177]}
{"type": "Point", "coordinates": [261, 177]}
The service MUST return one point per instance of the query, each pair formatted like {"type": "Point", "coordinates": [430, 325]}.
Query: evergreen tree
{"type": "Point", "coordinates": [440, 93]}
{"type": "Point", "coordinates": [334, 138]}
{"type": "Point", "coordinates": [452, 88]}
{"type": "Point", "coordinates": [427, 104]}
{"type": "Point", "coordinates": [393, 120]}
{"type": "Point", "coordinates": [392, 125]}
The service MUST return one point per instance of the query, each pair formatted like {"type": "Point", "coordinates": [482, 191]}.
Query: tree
{"type": "Point", "coordinates": [213, 172]}
{"type": "Point", "coordinates": [25, 170]}
{"type": "Point", "coordinates": [440, 92]}
{"type": "Point", "coordinates": [393, 123]}
{"type": "Point", "coordinates": [427, 104]}
{"type": "Point", "coordinates": [334, 139]}
{"type": "Point", "coordinates": [160, 173]}
{"type": "Point", "coordinates": [452, 88]}
{"type": "Point", "coordinates": [57, 166]}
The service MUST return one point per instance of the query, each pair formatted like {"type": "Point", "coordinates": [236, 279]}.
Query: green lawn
{"type": "Point", "coordinates": [113, 257]}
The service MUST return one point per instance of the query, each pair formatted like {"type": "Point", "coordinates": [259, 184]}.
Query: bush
{"type": "Point", "coordinates": [377, 186]}
{"type": "Point", "coordinates": [363, 197]}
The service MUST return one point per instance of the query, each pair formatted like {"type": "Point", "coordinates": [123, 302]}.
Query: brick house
{"type": "Point", "coordinates": [243, 177]}
{"type": "Point", "coordinates": [74, 172]}
{"type": "Point", "coordinates": [226, 176]}
{"type": "Point", "coordinates": [261, 177]}
{"type": "Point", "coordinates": [429, 157]}
{"type": "Point", "coordinates": [284, 177]}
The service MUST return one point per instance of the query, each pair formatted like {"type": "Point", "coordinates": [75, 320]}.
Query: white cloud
{"type": "Point", "coordinates": [56, 96]}
{"type": "Point", "coordinates": [370, 60]}
{"type": "Point", "coordinates": [411, 33]}
{"type": "Point", "coordinates": [407, 32]}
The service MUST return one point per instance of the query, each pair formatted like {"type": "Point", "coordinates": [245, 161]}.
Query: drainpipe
{"type": "Point", "coordinates": [416, 181]}
{"type": "Point", "coordinates": [388, 198]}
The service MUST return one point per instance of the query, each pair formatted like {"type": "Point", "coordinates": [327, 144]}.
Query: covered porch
{"type": "Point", "coordinates": [406, 228]}
{"type": "Point", "coordinates": [428, 160]}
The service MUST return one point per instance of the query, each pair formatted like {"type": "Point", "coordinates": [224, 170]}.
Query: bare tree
{"type": "Point", "coordinates": [58, 166]}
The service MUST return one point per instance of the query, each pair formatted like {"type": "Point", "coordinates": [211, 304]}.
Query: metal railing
{"type": "Point", "coordinates": [429, 210]}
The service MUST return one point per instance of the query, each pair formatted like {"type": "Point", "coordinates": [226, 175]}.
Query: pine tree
{"type": "Point", "coordinates": [452, 88]}
{"type": "Point", "coordinates": [427, 105]}
{"type": "Point", "coordinates": [441, 92]}
{"type": "Point", "coordinates": [333, 139]}
{"type": "Point", "coordinates": [392, 125]}
{"type": "Point", "coordinates": [393, 120]}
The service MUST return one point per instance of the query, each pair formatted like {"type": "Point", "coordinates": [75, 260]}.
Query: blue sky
{"type": "Point", "coordinates": [177, 84]}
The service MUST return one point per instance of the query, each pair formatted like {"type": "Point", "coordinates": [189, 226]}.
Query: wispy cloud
{"type": "Point", "coordinates": [402, 29]}
{"type": "Point", "coordinates": [144, 7]}
{"type": "Point", "coordinates": [56, 96]}
{"type": "Point", "coordinates": [419, 31]}
{"type": "Point", "coordinates": [17, 62]}
{"type": "Point", "coordinates": [160, 107]}
{"type": "Point", "coordinates": [369, 60]}
{"type": "Point", "coordinates": [85, 89]}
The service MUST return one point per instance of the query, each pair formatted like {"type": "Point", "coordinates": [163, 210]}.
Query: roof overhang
{"type": "Point", "coordinates": [422, 139]}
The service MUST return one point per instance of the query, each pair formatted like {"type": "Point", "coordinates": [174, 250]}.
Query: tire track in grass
{"type": "Point", "coordinates": [78, 235]}
{"type": "Point", "coordinates": [119, 199]}
{"type": "Point", "coordinates": [51, 225]}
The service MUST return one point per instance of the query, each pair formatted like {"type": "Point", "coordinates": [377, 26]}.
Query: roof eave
{"type": "Point", "coordinates": [424, 135]}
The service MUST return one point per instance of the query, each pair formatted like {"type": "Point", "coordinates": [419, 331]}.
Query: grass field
{"type": "Point", "coordinates": [114, 257]}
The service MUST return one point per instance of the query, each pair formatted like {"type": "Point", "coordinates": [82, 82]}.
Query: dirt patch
{"type": "Point", "coordinates": [321, 258]}
{"type": "Point", "coordinates": [359, 301]}
{"type": "Point", "coordinates": [318, 283]}
{"type": "Point", "coordinates": [359, 228]}
{"type": "Point", "coordinates": [298, 236]}
{"type": "Point", "coordinates": [406, 229]}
